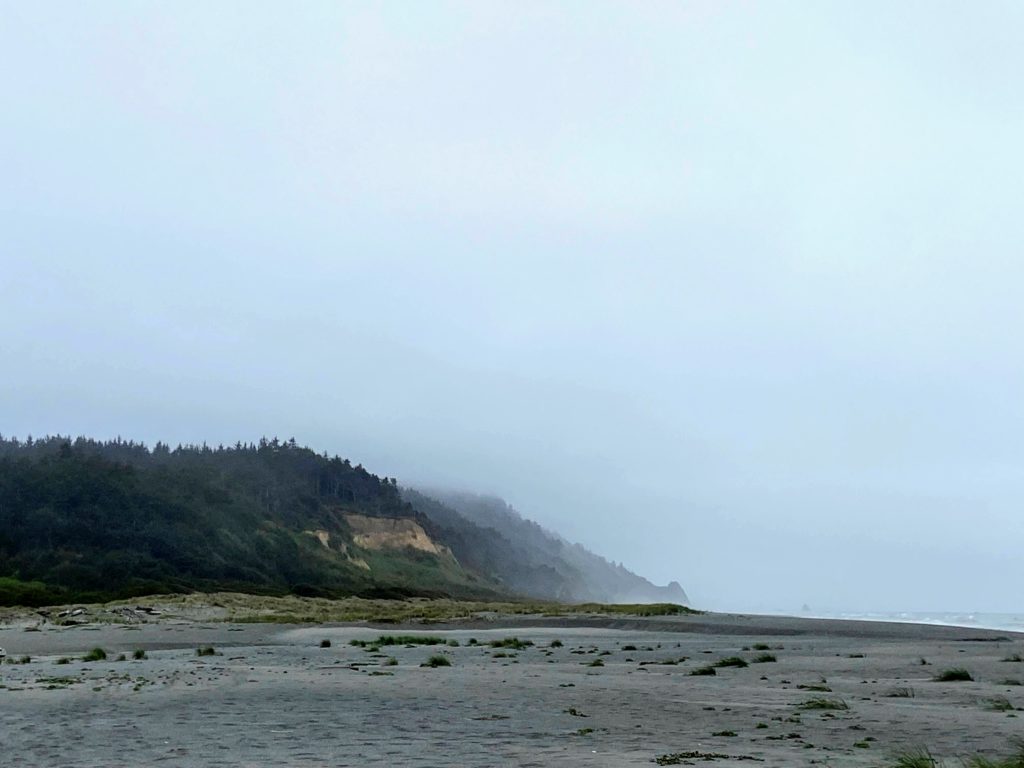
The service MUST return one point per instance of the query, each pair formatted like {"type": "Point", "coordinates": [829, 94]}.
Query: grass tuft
{"type": "Point", "coordinates": [999, 704]}
{"type": "Point", "coordinates": [511, 642]}
{"type": "Point", "coordinates": [399, 640]}
{"type": "Point", "coordinates": [955, 675]}
{"type": "Point", "coordinates": [437, 660]}
{"type": "Point", "coordinates": [822, 703]}
{"type": "Point", "coordinates": [917, 758]}
{"type": "Point", "coordinates": [731, 661]}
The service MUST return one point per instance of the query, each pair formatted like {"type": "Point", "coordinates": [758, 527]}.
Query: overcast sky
{"type": "Point", "coordinates": [730, 292]}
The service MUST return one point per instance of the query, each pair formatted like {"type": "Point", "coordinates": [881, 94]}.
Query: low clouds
{"type": "Point", "coordinates": [727, 293]}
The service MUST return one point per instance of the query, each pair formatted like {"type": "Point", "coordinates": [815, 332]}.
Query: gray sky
{"type": "Point", "coordinates": [727, 291]}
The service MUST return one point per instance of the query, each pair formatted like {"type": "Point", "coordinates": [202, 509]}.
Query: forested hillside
{"type": "Point", "coordinates": [83, 520]}
{"type": "Point", "coordinates": [541, 562]}
{"type": "Point", "coordinates": [87, 520]}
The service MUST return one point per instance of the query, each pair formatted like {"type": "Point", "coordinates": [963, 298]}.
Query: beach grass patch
{"type": "Point", "coordinates": [437, 660]}
{"type": "Point", "coordinates": [1013, 761]}
{"type": "Point", "coordinates": [511, 642]}
{"type": "Point", "coordinates": [399, 640]}
{"type": "Point", "coordinates": [915, 758]}
{"type": "Point", "coordinates": [825, 704]}
{"type": "Point", "coordinates": [999, 704]}
{"type": "Point", "coordinates": [96, 654]}
{"type": "Point", "coordinates": [955, 675]}
{"type": "Point", "coordinates": [731, 661]}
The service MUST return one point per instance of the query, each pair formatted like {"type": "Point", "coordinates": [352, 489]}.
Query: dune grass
{"type": "Point", "coordinates": [822, 703]}
{"type": "Point", "coordinates": [437, 660]}
{"type": "Point", "coordinates": [731, 661]}
{"type": "Point", "coordinates": [916, 758]}
{"type": "Point", "coordinates": [954, 675]}
{"type": "Point", "coordinates": [399, 640]}
{"type": "Point", "coordinates": [999, 704]}
{"type": "Point", "coordinates": [511, 642]}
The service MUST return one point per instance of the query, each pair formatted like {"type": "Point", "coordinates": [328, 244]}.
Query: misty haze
{"type": "Point", "coordinates": [517, 377]}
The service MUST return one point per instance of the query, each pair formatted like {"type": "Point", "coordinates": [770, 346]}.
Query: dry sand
{"type": "Point", "coordinates": [272, 696]}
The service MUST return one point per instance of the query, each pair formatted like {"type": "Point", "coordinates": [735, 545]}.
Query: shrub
{"type": "Point", "coordinates": [206, 650]}
{"type": "Point", "coordinates": [511, 642]}
{"type": "Point", "coordinates": [437, 660]}
{"type": "Point", "coordinates": [96, 654]}
{"type": "Point", "coordinates": [556, 643]}
{"type": "Point", "coordinates": [826, 704]}
{"type": "Point", "coordinates": [703, 671]}
{"type": "Point", "coordinates": [325, 643]}
{"type": "Point", "coordinates": [399, 640]}
{"type": "Point", "coordinates": [764, 658]}
{"type": "Point", "coordinates": [139, 654]}
{"type": "Point", "coordinates": [956, 675]}
{"type": "Point", "coordinates": [731, 661]}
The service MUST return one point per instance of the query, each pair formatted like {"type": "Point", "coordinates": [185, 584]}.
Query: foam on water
{"type": "Point", "coordinates": [1011, 622]}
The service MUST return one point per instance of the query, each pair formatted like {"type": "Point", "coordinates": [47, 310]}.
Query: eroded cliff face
{"type": "Point", "coordinates": [391, 533]}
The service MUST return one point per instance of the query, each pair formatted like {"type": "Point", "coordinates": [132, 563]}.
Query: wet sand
{"type": "Point", "coordinates": [273, 696]}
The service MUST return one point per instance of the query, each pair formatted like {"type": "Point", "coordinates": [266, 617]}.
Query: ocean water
{"type": "Point", "coordinates": [1011, 622]}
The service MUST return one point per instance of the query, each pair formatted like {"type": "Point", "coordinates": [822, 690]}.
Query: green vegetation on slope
{"type": "Point", "coordinates": [91, 521]}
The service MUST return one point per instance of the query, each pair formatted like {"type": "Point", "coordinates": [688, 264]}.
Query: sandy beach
{"type": "Point", "coordinates": [615, 692]}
